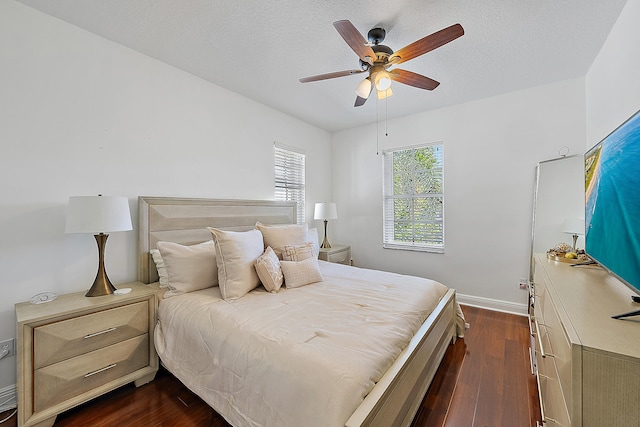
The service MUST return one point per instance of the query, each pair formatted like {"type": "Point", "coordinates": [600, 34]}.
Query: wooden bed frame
{"type": "Point", "coordinates": [395, 399]}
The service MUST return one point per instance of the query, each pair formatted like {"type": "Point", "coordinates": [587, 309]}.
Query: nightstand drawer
{"type": "Point", "coordinates": [64, 380]}
{"type": "Point", "coordinates": [340, 257]}
{"type": "Point", "coordinates": [69, 338]}
{"type": "Point", "coordinates": [340, 254]}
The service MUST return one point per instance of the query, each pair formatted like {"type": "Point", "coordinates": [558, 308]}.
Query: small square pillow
{"type": "Point", "coordinates": [236, 254]}
{"type": "Point", "coordinates": [189, 268]}
{"type": "Point", "coordinates": [277, 236]}
{"type": "Point", "coordinates": [268, 269]}
{"type": "Point", "coordinates": [301, 273]}
{"type": "Point", "coordinates": [163, 277]}
{"type": "Point", "coordinates": [297, 253]}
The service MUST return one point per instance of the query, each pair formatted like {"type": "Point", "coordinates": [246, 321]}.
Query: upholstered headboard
{"type": "Point", "coordinates": [185, 221]}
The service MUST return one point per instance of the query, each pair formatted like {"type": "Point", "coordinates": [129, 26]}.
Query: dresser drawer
{"type": "Point", "coordinates": [64, 380]}
{"type": "Point", "coordinates": [69, 338]}
{"type": "Point", "coordinates": [560, 347]}
{"type": "Point", "coordinates": [553, 404]}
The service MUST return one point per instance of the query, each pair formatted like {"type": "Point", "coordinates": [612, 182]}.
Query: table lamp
{"type": "Point", "coordinates": [575, 227]}
{"type": "Point", "coordinates": [325, 211]}
{"type": "Point", "coordinates": [98, 215]}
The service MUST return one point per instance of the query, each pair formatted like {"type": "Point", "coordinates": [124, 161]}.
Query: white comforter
{"type": "Point", "coordinates": [301, 357]}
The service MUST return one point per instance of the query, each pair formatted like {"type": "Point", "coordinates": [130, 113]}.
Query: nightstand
{"type": "Point", "coordinates": [75, 348]}
{"type": "Point", "coordinates": [340, 254]}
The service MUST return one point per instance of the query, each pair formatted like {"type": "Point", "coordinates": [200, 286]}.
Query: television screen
{"type": "Point", "coordinates": [612, 213]}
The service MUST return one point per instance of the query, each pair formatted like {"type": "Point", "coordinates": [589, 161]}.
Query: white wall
{"type": "Point", "coordinates": [612, 83]}
{"type": "Point", "coordinates": [80, 115]}
{"type": "Point", "coordinates": [491, 148]}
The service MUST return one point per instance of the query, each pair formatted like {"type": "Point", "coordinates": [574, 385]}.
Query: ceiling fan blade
{"type": "Point", "coordinates": [413, 79]}
{"type": "Point", "coordinates": [355, 40]}
{"type": "Point", "coordinates": [359, 101]}
{"type": "Point", "coordinates": [330, 75]}
{"type": "Point", "coordinates": [427, 44]}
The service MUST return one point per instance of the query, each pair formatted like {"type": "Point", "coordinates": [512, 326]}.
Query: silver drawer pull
{"type": "Point", "coordinates": [95, 334]}
{"type": "Point", "coordinates": [551, 420]}
{"type": "Point", "coordinates": [540, 399]}
{"type": "Point", "coordinates": [531, 331]}
{"type": "Point", "coordinates": [539, 336]}
{"type": "Point", "coordinates": [113, 365]}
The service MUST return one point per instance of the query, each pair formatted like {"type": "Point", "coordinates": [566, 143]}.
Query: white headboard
{"type": "Point", "coordinates": [185, 221]}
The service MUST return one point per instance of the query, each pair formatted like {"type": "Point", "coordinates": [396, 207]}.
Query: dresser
{"type": "Point", "coordinates": [340, 254]}
{"type": "Point", "coordinates": [587, 364]}
{"type": "Point", "coordinates": [76, 348]}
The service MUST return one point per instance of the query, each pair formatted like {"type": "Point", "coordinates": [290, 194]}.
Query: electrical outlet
{"type": "Point", "coordinates": [524, 283]}
{"type": "Point", "coordinates": [7, 345]}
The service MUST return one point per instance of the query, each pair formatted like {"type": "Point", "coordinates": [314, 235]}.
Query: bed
{"type": "Point", "coordinates": [357, 348]}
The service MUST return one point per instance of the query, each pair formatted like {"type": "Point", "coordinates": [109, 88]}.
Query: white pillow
{"type": "Point", "coordinates": [236, 254]}
{"type": "Point", "coordinates": [189, 268]}
{"type": "Point", "coordinates": [163, 277]}
{"type": "Point", "coordinates": [279, 235]}
{"type": "Point", "coordinates": [297, 253]}
{"type": "Point", "coordinates": [312, 236]}
{"type": "Point", "coordinates": [301, 273]}
{"type": "Point", "coordinates": [268, 269]}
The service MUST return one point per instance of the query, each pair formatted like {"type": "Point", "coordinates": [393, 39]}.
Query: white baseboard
{"type": "Point", "coordinates": [8, 398]}
{"type": "Point", "coordinates": [493, 304]}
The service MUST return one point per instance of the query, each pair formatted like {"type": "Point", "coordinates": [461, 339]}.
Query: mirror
{"type": "Point", "coordinates": [558, 195]}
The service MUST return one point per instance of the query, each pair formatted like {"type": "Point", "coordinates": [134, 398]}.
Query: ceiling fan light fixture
{"type": "Point", "coordinates": [383, 80]}
{"type": "Point", "coordinates": [382, 94]}
{"type": "Point", "coordinates": [364, 88]}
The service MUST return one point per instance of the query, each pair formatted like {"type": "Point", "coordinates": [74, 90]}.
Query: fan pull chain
{"type": "Point", "coordinates": [386, 115]}
{"type": "Point", "coordinates": [377, 128]}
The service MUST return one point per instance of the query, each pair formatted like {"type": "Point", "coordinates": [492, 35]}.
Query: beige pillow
{"type": "Point", "coordinates": [268, 269]}
{"type": "Point", "coordinates": [189, 268]}
{"type": "Point", "coordinates": [297, 253]}
{"type": "Point", "coordinates": [163, 277]}
{"type": "Point", "coordinates": [236, 254]}
{"type": "Point", "coordinates": [277, 236]}
{"type": "Point", "coordinates": [301, 273]}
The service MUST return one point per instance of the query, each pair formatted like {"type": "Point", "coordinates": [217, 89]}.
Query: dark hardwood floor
{"type": "Point", "coordinates": [484, 380]}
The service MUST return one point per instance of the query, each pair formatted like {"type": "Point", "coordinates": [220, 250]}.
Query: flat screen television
{"type": "Point", "coordinates": [612, 203]}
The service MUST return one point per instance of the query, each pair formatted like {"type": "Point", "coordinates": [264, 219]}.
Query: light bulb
{"type": "Point", "coordinates": [364, 88]}
{"type": "Point", "coordinates": [383, 80]}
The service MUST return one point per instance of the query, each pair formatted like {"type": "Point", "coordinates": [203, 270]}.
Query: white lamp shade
{"type": "Point", "coordinates": [383, 80]}
{"type": "Point", "coordinates": [364, 88]}
{"type": "Point", "coordinates": [325, 210]}
{"type": "Point", "coordinates": [382, 94]}
{"type": "Point", "coordinates": [98, 214]}
{"type": "Point", "coordinates": [574, 226]}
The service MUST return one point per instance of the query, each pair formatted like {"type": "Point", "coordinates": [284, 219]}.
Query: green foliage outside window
{"type": "Point", "coordinates": [414, 206]}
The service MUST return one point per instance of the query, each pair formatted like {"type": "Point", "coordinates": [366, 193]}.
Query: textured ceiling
{"type": "Point", "coordinates": [261, 48]}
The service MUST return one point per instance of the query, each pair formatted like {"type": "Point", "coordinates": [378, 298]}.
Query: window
{"type": "Point", "coordinates": [289, 177]}
{"type": "Point", "coordinates": [413, 193]}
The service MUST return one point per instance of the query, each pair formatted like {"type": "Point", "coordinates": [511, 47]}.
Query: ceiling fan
{"type": "Point", "coordinates": [376, 59]}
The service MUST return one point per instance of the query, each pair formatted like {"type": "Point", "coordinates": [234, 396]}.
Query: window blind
{"type": "Point", "coordinates": [290, 178]}
{"type": "Point", "coordinates": [413, 198]}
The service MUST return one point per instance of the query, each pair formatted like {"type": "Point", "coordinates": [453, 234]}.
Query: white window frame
{"type": "Point", "coordinates": [289, 177]}
{"type": "Point", "coordinates": [436, 244]}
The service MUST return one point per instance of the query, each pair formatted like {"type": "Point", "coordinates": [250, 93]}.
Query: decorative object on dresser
{"type": "Point", "coordinates": [575, 227]}
{"type": "Point", "coordinates": [74, 349]}
{"type": "Point", "coordinates": [340, 254]}
{"type": "Point", "coordinates": [98, 215]}
{"type": "Point", "coordinates": [325, 211]}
